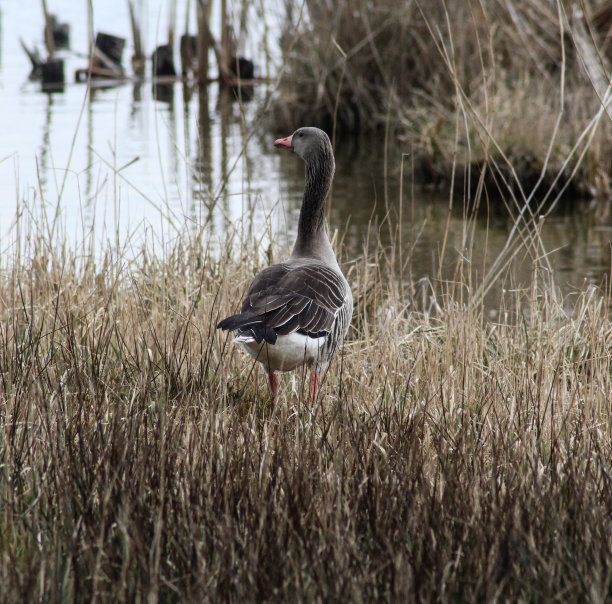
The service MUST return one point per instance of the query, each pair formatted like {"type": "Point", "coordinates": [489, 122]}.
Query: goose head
{"type": "Point", "coordinates": [308, 142]}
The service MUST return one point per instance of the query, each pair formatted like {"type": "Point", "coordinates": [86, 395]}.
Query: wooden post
{"type": "Point", "coordinates": [48, 31]}
{"type": "Point", "coordinates": [171, 19]}
{"type": "Point", "coordinates": [52, 70]}
{"type": "Point", "coordinates": [203, 40]}
{"type": "Point", "coordinates": [185, 46]}
{"type": "Point", "coordinates": [225, 43]}
{"type": "Point", "coordinates": [90, 33]}
{"type": "Point", "coordinates": [138, 59]}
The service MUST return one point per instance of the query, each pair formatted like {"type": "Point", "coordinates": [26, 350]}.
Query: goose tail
{"type": "Point", "coordinates": [250, 328]}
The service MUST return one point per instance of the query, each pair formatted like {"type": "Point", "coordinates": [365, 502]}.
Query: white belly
{"type": "Point", "coordinates": [289, 352]}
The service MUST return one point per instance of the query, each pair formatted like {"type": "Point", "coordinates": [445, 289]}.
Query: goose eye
{"type": "Point", "coordinates": [300, 134]}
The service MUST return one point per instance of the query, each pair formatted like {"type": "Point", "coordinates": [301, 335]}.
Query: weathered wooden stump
{"type": "Point", "coordinates": [162, 61]}
{"type": "Point", "coordinates": [52, 74]}
{"type": "Point", "coordinates": [60, 32]}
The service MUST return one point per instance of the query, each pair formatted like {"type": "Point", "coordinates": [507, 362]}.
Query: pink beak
{"type": "Point", "coordinates": [284, 143]}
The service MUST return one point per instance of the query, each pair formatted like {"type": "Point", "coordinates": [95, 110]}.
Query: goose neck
{"type": "Point", "coordinates": [312, 233]}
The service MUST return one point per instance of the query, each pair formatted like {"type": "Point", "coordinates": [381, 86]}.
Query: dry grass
{"type": "Point", "coordinates": [447, 457]}
{"type": "Point", "coordinates": [489, 85]}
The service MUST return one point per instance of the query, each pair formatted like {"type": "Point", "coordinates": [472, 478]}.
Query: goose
{"type": "Point", "coordinates": [298, 312]}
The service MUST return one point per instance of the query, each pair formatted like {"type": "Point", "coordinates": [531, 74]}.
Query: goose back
{"type": "Point", "coordinates": [305, 296]}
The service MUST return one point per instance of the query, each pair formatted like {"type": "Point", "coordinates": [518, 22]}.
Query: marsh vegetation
{"type": "Point", "coordinates": [451, 454]}
{"type": "Point", "coordinates": [446, 457]}
{"type": "Point", "coordinates": [513, 93]}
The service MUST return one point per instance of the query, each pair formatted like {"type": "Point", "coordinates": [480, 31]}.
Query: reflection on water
{"type": "Point", "coordinates": [122, 160]}
{"type": "Point", "coordinates": [119, 157]}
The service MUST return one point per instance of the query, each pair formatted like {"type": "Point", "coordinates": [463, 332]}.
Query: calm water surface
{"type": "Point", "coordinates": [120, 163]}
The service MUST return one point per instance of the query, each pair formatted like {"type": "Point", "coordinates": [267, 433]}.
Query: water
{"type": "Point", "coordinates": [116, 154]}
{"type": "Point", "coordinates": [119, 163]}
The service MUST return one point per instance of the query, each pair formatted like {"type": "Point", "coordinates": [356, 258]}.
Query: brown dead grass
{"type": "Point", "coordinates": [447, 457]}
{"type": "Point", "coordinates": [509, 90]}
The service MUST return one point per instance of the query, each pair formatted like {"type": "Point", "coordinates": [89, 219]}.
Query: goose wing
{"type": "Point", "coordinates": [285, 298]}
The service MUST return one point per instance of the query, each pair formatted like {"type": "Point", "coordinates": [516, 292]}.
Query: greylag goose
{"type": "Point", "coordinates": [298, 312]}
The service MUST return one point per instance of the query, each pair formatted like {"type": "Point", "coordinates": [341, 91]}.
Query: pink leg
{"type": "Point", "coordinates": [314, 385]}
{"type": "Point", "coordinates": [273, 384]}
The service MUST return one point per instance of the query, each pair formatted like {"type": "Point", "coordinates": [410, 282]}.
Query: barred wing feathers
{"type": "Point", "coordinates": [306, 297]}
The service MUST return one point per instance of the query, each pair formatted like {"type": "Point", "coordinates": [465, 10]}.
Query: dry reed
{"type": "Point", "coordinates": [447, 457]}
{"type": "Point", "coordinates": [481, 84]}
